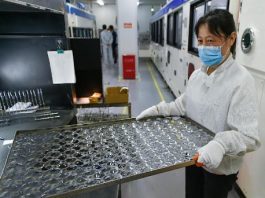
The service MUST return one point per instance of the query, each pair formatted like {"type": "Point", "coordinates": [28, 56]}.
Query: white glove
{"type": "Point", "coordinates": [211, 154]}
{"type": "Point", "coordinates": [163, 109]}
{"type": "Point", "coordinates": [152, 111]}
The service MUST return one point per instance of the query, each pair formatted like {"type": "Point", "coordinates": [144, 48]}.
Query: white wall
{"type": "Point", "coordinates": [144, 15]}
{"type": "Point", "coordinates": [127, 37]}
{"type": "Point", "coordinates": [106, 14]}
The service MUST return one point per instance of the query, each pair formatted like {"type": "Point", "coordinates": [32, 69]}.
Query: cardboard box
{"type": "Point", "coordinates": [95, 98]}
{"type": "Point", "coordinates": [116, 95]}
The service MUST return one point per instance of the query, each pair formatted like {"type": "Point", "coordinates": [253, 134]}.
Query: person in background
{"type": "Point", "coordinates": [106, 42]}
{"type": "Point", "coordinates": [114, 43]}
{"type": "Point", "coordinates": [220, 96]}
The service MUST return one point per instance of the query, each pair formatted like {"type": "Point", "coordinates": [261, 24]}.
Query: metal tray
{"type": "Point", "coordinates": [69, 160]}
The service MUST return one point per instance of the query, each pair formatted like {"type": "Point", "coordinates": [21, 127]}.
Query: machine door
{"type": "Point", "coordinates": [251, 42]}
{"type": "Point", "coordinates": [88, 70]}
{"type": "Point", "coordinates": [250, 53]}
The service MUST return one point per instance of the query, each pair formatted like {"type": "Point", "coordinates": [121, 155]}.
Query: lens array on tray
{"type": "Point", "coordinates": [90, 115]}
{"type": "Point", "coordinates": [49, 162]}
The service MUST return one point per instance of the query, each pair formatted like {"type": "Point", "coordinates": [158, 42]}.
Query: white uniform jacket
{"type": "Point", "coordinates": [106, 37]}
{"type": "Point", "coordinates": [225, 103]}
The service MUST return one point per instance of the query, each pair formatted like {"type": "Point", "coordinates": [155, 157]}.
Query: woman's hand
{"type": "Point", "coordinates": [195, 158]}
{"type": "Point", "coordinates": [209, 155]}
{"type": "Point", "coordinates": [152, 111]}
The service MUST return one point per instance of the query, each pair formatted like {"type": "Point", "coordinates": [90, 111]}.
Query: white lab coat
{"type": "Point", "coordinates": [106, 42]}
{"type": "Point", "coordinates": [225, 103]}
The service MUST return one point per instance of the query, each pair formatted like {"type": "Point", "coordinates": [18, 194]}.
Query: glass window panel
{"type": "Point", "coordinates": [180, 17]}
{"type": "Point", "coordinates": [198, 12]}
{"type": "Point", "coordinates": [178, 32]}
{"type": "Point", "coordinates": [155, 31]}
{"type": "Point", "coordinates": [82, 32]}
{"type": "Point", "coordinates": [87, 33]}
{"type": "Point", "coordinates": [151, 28]}
{"type": "Point", "coordinates": [168, 32]}
{"type": "Point", "coordinates": [79, 32]}
{"type": "Point", "coordinates": [91, 33]}
{"type": "Point", "coordinates": [162, 31]}
{"type": "Point", "coordinates": [208, 6]}
{"type": "Point", "coordinates": [171, 29]}
{"type": "Point", "coordinates": [75, 32]}
{"type": "Point", "coordinates": [159, 31]}
{"type": "Point", "coordinates": [70, 31]}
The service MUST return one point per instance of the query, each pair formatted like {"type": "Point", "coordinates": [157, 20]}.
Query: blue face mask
{"type": "Point", "coordinates": [210, 55]}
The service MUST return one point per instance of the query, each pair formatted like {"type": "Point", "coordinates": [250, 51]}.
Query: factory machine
{"type": "Point", "coordinates": [28, 30]}
{"type": "Point", "coordinates": [34, 93]}
{"type": "Point", "coordinates": [175, 54]}
{"type": "Point", "coordinates": [26, 34]}
{"type": "Point", "coordinates": [81, 23]}
{"type": "Point", "coordinates": [28, 97]}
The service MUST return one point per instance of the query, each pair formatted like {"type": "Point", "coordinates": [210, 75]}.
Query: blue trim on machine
{"type": "Point", "coordinates": [172, 5]}
{"type": "Point", "coordinates": [81, 5]}
{"type": "Point", "coordinates": [72, 10]}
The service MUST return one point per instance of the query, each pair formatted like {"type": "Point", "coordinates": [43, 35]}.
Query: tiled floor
{"type": "Point", "coordinates": [143, 92]}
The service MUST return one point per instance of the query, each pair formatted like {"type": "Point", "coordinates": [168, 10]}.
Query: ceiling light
{"type": "Point", "coordinates": [100, 2]}
{"type": "Point", "coordinates": [152, 9]}
{"type": "Point", "coordinates": [138, 3]}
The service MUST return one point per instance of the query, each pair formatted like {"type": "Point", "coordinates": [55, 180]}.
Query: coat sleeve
{"type": "Point", "coordinates": [175, 108]}
{"type": "Point", "coordinates": [242, 119]}
{"type": "Point", "coordinates": [103, 38]}
{"type": "Point", "coordinates": [110, 38]}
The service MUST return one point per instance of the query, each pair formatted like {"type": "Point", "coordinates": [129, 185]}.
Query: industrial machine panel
{"type": "Point", "coordinates": [87, 52]}
{"type": "Point", "coordinates": [88, 69]}
{"type": "Point", "coordinates": [24, 61]}
{"type": "Point", "coordinates": [55, 5]}
{"type": "Point", "coordinates": [16, 23]}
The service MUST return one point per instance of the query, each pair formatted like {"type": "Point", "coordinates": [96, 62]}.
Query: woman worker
{"type": "Point", "coordinates": [220, 96]}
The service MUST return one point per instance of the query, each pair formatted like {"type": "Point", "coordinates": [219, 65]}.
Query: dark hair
{"type": "Point", "coordinates": [104, 27]}
{"type": "Point", "coordinates": [219, 22]}
{"type": "Point", "coordinates": [111, 27]}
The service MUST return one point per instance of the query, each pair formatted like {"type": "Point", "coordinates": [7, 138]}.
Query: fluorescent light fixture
{"type": "Point", "coordinates": [100, 2]}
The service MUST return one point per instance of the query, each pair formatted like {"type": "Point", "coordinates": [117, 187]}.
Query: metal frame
{"type": "Point", "coordinates": [98, 105]}
{"type": "Point", "coordinates": [117, 181]}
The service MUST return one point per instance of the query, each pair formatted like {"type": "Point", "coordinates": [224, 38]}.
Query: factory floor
{"type": "Point", "coordinates": [149, 89]}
